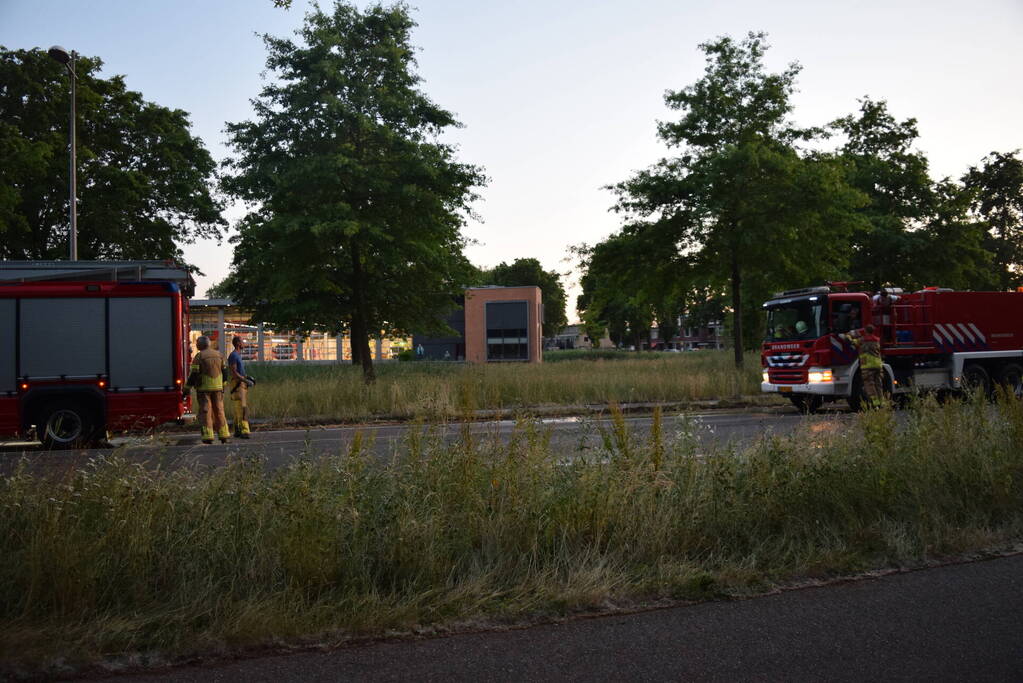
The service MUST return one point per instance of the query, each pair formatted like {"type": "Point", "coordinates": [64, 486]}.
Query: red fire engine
{"type": "Point", "coordinates": [90, 346]}
{"type": "Point", "coordinates": [935, 339]}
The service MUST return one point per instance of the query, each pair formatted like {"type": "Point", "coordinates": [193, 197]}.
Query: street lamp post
{"type": "Point", "coordinates": [68, 60]}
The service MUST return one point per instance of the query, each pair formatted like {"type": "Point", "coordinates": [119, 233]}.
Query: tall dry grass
{"type": "Point", "coordinates": [120, 559]}
{"type": "Point", "coordinates": [440, 390]}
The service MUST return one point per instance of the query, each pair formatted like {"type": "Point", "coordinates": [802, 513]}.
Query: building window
{"type": "Point", "coordinates": [507, 330]}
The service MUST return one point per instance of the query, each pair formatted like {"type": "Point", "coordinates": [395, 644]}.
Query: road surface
{"type": "Point", "coordinates": [280, 447]}
{"type": "Point", "coordinates": [953, 623]}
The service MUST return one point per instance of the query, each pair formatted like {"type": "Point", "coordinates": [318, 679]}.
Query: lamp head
{"type": "Point", "coordinates": [60, 54]}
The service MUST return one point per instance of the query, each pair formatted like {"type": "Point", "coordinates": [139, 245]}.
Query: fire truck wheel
{"type": "Point", "coordinates": [67, 424]}
{"type": "Point", "coordinates": [1010, 376]}
{"type": "Point", "coordinates": [975, 378]}
{"type": "Point", "coordinates": [807, 405]}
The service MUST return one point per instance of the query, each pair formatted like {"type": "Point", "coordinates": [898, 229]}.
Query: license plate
{"type": "Point", "coordinates": [785, 390]}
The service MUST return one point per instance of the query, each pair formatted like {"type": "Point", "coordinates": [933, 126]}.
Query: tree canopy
{"type": "Point", "coordinates": [995, 194]}
{"type": "Point", "coordinates": [612, 296]}
{"type": "Point", "coordinates": [356, 205]}
{"type": "Point", "coordinates": [916, 232]}
{"type": "Point", "coordinates": [740, 204]}
{"type": "Point", "coordinates": [144, 181]}
{"type": "Point", "coordinates": [528, 271]}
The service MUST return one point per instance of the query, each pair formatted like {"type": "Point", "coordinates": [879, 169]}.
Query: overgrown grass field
{"type": "Point", "coordinates": [118, 559]}
{"type": "Point", "coordinates": [443, 390]}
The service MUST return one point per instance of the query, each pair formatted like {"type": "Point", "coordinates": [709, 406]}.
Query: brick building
{"type": "Point", "coordinates": [492, 325]}
{"type": "Point", "coordinates": [503, 324]}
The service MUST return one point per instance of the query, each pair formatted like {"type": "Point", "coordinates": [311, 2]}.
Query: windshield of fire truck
{"type": "Point", "coordinates": [796, 319]}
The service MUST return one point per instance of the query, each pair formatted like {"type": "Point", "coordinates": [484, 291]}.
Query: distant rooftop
{"type": "Point", "coordinates": [211, 303]}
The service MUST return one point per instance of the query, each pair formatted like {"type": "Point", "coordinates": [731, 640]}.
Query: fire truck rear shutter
{"type": "Point", "coordinates": [8, 379]}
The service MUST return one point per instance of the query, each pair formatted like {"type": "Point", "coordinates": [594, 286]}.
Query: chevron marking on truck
{"type": "Point", "coordinates": [843, 350]}
{"type": "Point", "coordinates": [983, 339]}
{"type": "Point", "coordinates": [944, 338]}
{"type": "Point", "coordinates": [974, 344]}
{"type": "Point", "coordinates": [968, 331]}
{"type": "Point", "coordinates": [958, 334]}
{"type": "Point", "coordinates": [945, 330]}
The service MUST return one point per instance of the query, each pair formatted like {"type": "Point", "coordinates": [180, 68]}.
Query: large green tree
{"type": "Point", "coordinates": [356, 204]}
{"type": "Point", "coordinates": [143, 178]}
{"type": "Point", "coordinates": [996, 195]}
{"type": "Point", "coordinates": [613, 294]}
{"type": "Point", "coordinates": [917, 232]}
{"type": "Point", "coordinates": [528, 271]}
{"type": "Point", "coordinates": [739, 199]}
{"type": "Point", "coordinates": [884, 165]}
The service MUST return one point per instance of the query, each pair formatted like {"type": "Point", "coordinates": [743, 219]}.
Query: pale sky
{"type": "Point", "coordinates": [559, 99]}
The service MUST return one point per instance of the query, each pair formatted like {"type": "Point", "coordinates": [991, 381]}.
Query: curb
{"type": "Point", "coordinates": [578, 410]}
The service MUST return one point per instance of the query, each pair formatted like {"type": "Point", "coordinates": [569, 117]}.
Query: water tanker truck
{"type": "Point", "coordinates": [934, 339]}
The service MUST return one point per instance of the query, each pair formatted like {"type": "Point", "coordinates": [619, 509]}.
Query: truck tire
{"type": "Point", "coordinates": [807, 405]}
{"type": "Point", "coordinates": [1010, 376]}
{"type": "Point", "coordinates": [976, 378]}
{"type": "Point", "coordinates": [68, 424]}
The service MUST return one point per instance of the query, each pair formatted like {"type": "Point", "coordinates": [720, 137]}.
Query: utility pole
{"type": "Point", "coordinates": [68, 60]}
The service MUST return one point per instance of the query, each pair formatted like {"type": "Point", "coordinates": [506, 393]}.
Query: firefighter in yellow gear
{"type": "Point", "coordinates": [240, 384]}
{"type": "Point", "coordinates": [871, 365]}
{"type": "Point", "coordinates": [207, 376]}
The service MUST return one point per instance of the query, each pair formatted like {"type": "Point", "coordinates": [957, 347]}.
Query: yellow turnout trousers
{"type": "Point", "coordinates": [211, 415]}
{"type": "Point", "coordinates": [240, 405]}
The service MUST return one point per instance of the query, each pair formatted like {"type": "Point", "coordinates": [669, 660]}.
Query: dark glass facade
{"type": "Point", "coordinates": [507, 330]}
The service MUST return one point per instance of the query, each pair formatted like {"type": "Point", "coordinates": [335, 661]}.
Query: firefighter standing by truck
{"type": "Point", "coordinates": [871, 366]}
{"type": "Point", "coordinates": [207, 376]}
{"type": "Point", "coordinates": [240, 384]}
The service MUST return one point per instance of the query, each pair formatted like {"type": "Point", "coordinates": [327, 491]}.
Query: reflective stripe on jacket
{"type": "Point", "coordinates": [210, 366]}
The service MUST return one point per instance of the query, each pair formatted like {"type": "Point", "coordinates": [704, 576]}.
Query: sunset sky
{"type": "Point", "coordinates": [561, 98]}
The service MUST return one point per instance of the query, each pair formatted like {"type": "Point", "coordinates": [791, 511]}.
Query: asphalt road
{"type": "Point", "coordinates": [279, 447]}
{"type": "Point", "coordinates": [953, 623]}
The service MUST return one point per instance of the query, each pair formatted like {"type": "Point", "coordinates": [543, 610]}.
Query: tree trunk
{"type": "Point", "coordinates": [353, 333]}
{"type": "Point", "coordinates": [360, 321]}
{"type": "Point", "coordinates": [736, 310]}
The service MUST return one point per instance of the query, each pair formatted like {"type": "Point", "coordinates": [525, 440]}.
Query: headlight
{"type": "Point", "coordinates": [765, 375]}
{"type": "Point", "coordinates": [818, 375]}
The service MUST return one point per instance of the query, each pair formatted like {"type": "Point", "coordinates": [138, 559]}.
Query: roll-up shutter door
{"type": "Point", "coordinates": [63, 337]}
{"type": "Point", "coordinates": [141, 343]}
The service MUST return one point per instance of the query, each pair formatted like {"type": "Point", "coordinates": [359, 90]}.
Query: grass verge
{"type": "Point", "coordinates": [432, 391]}
{"type": "Point", "coordinates": [118, 559]}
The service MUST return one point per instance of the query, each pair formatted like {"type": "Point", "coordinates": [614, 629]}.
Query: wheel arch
{"type": "Point", "coordinates": [37, 398]}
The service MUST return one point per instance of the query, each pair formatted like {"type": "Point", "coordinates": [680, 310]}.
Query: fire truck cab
{"type": "Point", "coordinates": [934, 339]}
